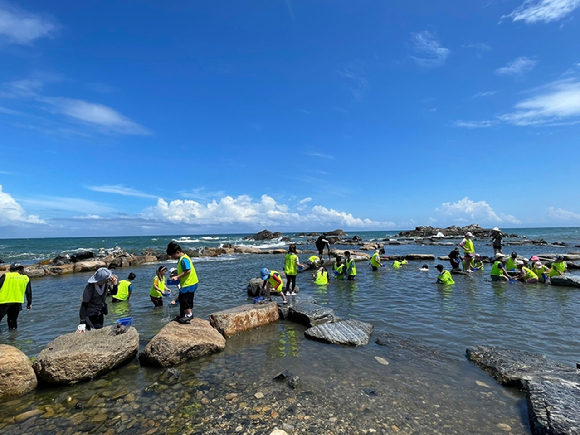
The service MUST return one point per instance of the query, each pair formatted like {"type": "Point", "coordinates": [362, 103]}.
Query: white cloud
{"type": "Point", "coordinates": [564, 215]}
{"type": "Point", "coordinates": [479, 48]}
{"type": "Point", "coordinates": [517, 67]}
{"type": "Point", "coordinates": [12, 212]}
{"type": "Point", "coordinates": [428, 50]}
{"type": "Point", "coordinates": [88, 217]}
{"type": "Point", "coordinates": [556, 102]}
{"type": "Point", "coordinates": [467, 210]}
{"type": "Point", "coordinates": [305, 200]}
{"type": "Point", "coordinates": [474, 124]}
{"type": "Point", "coordinates": [484, 94]}
{"type": "Point", "coordinates": [21, 27]}
{"type": "Point", "coordinates": [119, 189]}
{"type": "Point", "coordinates": [96, 115]}
{"type": "Point", "coordinates": [243, 210]}
{"type": "Point", "coordinates": [534, 11]}
{"type": "Point", "coordinates": [21, 88]}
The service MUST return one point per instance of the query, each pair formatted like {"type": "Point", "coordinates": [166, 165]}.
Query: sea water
{"type": "Point", "coordinates": [428, 386]}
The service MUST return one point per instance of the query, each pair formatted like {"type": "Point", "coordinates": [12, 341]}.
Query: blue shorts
{"type": "Point", "coordinates": [188, 289]}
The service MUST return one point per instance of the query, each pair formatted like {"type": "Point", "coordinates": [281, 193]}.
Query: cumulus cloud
{"type": "Point", "coordinates": [119, 189]}
{"type": "Point", "coordinates": [562, 215]}
{"type": "Point", "coordinates": [428, 52]}
{"type": "Point", "coordinates": [18, 26]}
{"type": "Point", "coordinates": [484, 94]}
{"type": "Point", "coordinates": [97, 115]}
{"type": "Point", "coordinates": [474, 124]}
{"type": "Point", "coordinates": [243, 210]}
{"type": "Point", "coordinates": [468, 210]}
{"type": "Point", "coordinates": [534, 11]}
{"type": "Point", "coordinates": [517, 67]}
{"type": "Point", "coordinates": [12, 212]}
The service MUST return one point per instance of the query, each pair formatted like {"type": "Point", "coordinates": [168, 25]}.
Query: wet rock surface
{"type": "Point", "coordinates": [255, 287]}
{"type": "Point", "coordinates": [348, 332]}
{"type": "Point", "coordinates": [76, 357]}
{"type": "Point", "coordinates": [553, 389]}
{"type": "Point", "coordinates": [240, 319]}
{"type": "Point", "coordinates": [565, 280]}
{"type": "Point", "coordinates": [176, 343]}
{"type": "Point", "coordinates": [310, 314]}
{"type": "Point", "coordinates": [16, 373]}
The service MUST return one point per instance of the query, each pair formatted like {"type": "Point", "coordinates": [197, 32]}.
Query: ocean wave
{"type": "Point", "coordinates": [270, 245]}
{"type": "Point", "coordinates": [187, 240]}
{"type": "Point", "coordinates": [210, 238]}
{"type": "Point", "coordinates": [154, 239]}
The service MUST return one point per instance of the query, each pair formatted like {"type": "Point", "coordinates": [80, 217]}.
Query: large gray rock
{"type": "Point", "coordinates": [176, 343]}
{"type": "Point", "coordinates": [309, 314]}
{"type": "Point", "coordinates": [76, 357]}
{"type": "Point", "coordinates": [565, 280]}
{"type": "Point", "coordinates": [349, 332]}
{"type": "Point", "coordinates": [420, 257]}
{"type": "Point", "coordinates": [16, 373]}
{"type": "Point", "coordinates": [255, 287]}
{"type": "Point", "coordinates": [283, 310]}
{"type": "Point", "coordinates": [240, 319]}
{"type": "Point", "coordinates": [553, 389]}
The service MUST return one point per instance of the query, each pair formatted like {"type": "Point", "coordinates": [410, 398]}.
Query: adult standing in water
{"type": "Point", "coordinates": [496, 239]}
{"type": "Point", "coordinates": [187, 281]}
{"type": "Point", "coordinates": [94, 301]}
{"type": "Point", "coordinates": [322, 243]}
{"type": "Point", "coordinates": [291, 264]}
{"type": "Point", "coordinates": [350, 266]}
{"type": "Point", "coordinates": [468, 251]}
{"type": "Point", "coordinates": [376, 261]}
{"type": "Point", "coordinates": [13, 286]}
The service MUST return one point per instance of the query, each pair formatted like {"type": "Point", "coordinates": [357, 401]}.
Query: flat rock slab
{"type": "Point", "coordinates": [16, 373]}
{"type": "Point", "coordinates": [76, 357]}
{"type": "Point", "coordinates": [407, 349]}
{"type": "Point", "coordinates": [283, 310]}
{"type": "Point", "coordinates": [565, 280]}
{"type": "Point", "coordinates": [421, 257]}
{"type": "Point", "coordinates": [244, 318]}
{"type": "Point", "coordinates": [349, 332]}
{"type": "Point", "coordinates": [176, 343]}
{"type": "Point", "coordinates": [310, 314]}
{"type": "Point", "coordinates": [553, 389]}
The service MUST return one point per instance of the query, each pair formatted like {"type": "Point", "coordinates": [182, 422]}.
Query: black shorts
{"type": "Point", "coordinates": [158, 302]}
{"type": "Point", "coordinates": [186, 300]}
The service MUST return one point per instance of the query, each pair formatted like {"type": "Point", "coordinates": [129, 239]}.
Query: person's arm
{"type": "Point", "coordinates": [29, 296]}
{"type": "Point", "coordinates": [462, 243]}
{"type": "Point", "coordinates": [114, 289]}
{"type": "Point", "coordinates": [2, 279]}
{"type": "Point", "coordinates": [186, 267]}
{"type": "Point", "coordinates": [130, 291]}
{"type": "Point", "coordinates": [278, 279]}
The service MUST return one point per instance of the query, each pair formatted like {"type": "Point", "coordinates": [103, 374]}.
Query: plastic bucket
{"type": "Point", "coordinates": [125, 321]}
{"type": "Point", "coordinates": [258, 299]}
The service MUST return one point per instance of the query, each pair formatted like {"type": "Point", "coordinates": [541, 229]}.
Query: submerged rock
{"type": "Point", "coordinates": [309, 314]}
{"type": "Point", "coordinates": [553, 389]}
{"type": "Point", "coordinates": [176, 343]}
{"type": "Point", "coordinates": [76, 357]}
{"type": "Point", "coordinates": [565, 280]}
{"type": "Point", "coordinates": [16, 373]}
{"type": "Point", "coordinates": [349, 332]}
{"type": "Point", "coordinates": [240, 319]}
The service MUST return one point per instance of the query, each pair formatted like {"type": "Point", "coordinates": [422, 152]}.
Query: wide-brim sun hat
{"type": "Point", "coordinates": [102, 274]}
{"type": "Point", "coordinates": [468, 235]}
{"type": "Point", "coordinates": [498, 256]}
{"type": "Point", "coordinates": [538, 264]}
{"type": "Point", "coordinates": [535, 258]}
{"type": "Point", "coordinates": [495, 229]}
{"type": "Point", "coordinates": [264, 273]}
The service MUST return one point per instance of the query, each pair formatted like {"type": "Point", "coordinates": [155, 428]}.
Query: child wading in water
{"type": "Point", "coordinates": [158, 289]}
{"type": "Point", "coordinates": [187, 280]}
{"type": "Point", "coordinates": [291, 264]}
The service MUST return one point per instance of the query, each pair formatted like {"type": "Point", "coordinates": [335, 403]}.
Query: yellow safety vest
{"type": "Point", "coordinates": [560, 266]}
{"type": "Point", "coordinates": [349, 264]}
{"type": "Point", "coordinates": [529, 273]}
{"type": "Point", "coordinates": [539, 271]}
{"type": "Point", "coordinates": [321, 277]}
{"type": "Point", "coordinates": [376, 260]}
{"type": "Point", "coordinates": [495, 270]}
{"type": "Point", "coordinates": [468, 247]}
{"type": "Point", "coordinates": [314, 259]}
{"type": "Point", "coordinates": [397, 264]}
{"type": "Point", "coordinates": [14, 288]}
{"type": "Point", "coordinates": [189, 280]}
{"type": "Point", "coordinates": [339, 270]}
{"type": "Point", "coordinates": [161, 284]}
{"type": "Point", "coordinates": [511, 263]}
{"type": "Point", "coordinates": [445, 278]}
{"type": "Point", "coordinates": [291, 264]}
{"type": "Point", "coordinates": [277, 286]}
{"type": "Point", "coordinates": [123, 290]}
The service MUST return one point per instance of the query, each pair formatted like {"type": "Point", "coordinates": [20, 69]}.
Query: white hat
{"type": "Point", "coordinates": [469, 235]}
{"type": "Point", "coordinates": [495, 229]}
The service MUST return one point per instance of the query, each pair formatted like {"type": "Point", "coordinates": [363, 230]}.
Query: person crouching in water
{"type": "Point", "coordinates": [338, 268]}
{"type": "Point", "coordinates": [526, 275]}
{"type": "Point", "coordinates": [291, 264]}
{"type": "Point", "coordinates": [124, 289]}
{"type": "Point", "coordinates": [350, 266]}
{"type": "Point", "coordinates": [376, 261]}
{"type": "Point", "coordinates": [94, 301]}
{"type": "Point", "coordinates": [272, 280]}
{"type": "Point", "coordinates": [444, 276]}
{"type": "Point", "coordinates": [188, 282]}
{"type": "Point", "coordinates": [158, 288]}
{"type": "Point", "coordinates": [498, 270]}
{"type": "Point", "coordinates": [321, 276]}
{"type": "Point", "coordinates": [541, 271]}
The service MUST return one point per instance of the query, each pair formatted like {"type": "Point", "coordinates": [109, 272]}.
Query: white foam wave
{"type": "Point", "coordinates": [270, 245]}
{"type": "Point", "coordinates": [187, 240]}
{"type": "Point", "coordinates": [210, 238]}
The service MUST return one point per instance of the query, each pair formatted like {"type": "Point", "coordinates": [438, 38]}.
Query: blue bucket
{"type": "Point", "coordinates": [258, 299]}
{"type": "Point", "coordinates": [125, 321]}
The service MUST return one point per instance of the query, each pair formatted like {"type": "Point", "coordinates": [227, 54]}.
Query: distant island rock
{"type": "Point", "coordinates": [452, 231]}
{"type": "Point", "coordinates": [264, 235]}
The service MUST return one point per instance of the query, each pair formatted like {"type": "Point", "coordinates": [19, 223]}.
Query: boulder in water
{"type": "Point", "coordinates": [176, 343]}
{"type": "Point", "coordinates": [309, 314]}
{"type": "Point", "coordinates": [349, 332]}
{"type": "Point", "coordinates": [264, 235]}
{"type": "Point", "coordinates": [240, 319]}
{"type": "Point", "coordinates": [76, 357]}
{"type": "Point", "coordinates": [565, 280]}
{"type": "Point", "coordinates": [82, 256]}
{"type": "Point", "coordinates": [16, 373]}
{"type": "Point", "coordinates": [88, 266]}
{"type": "Point", "coordinates": [255, 287]}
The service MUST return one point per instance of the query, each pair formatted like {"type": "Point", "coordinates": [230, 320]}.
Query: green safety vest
{"type": "Point", "coordinates": [529, 273]}
{"type": "Point", "coordinates": [468, 247]}
{"type": "Point", "coordinates": [376, 260]}
{"type": "Point", "coordinates": [314, 259]}
{"type": "Point", "coordinates": [321, 277]}
{"type": "Point", "coordinates": [540, 271]}
{"type": "Point", "coordinates": [123, 290]}
{"type": "Point", "coordinates": [277, 286]}
{"type": "Point", "coordinates": [350, 267]}
{"type": "Point", "coordinates": [160, 284]}
{"type": "Point", "coordinates": [14, 288]}
{"type": "Point", "coordinates": [445, 278]}
{"type": "Point", "coordinates": [512, 263]}
{"type": "Point", "coordinates": [339, 270]}
{"type": "Point", "coordinates": [560, 266]}
{"type": "Point", "coordinates": [495, 269]}
{"type": "Point", "coordinates": [189, 280]}
{"type": "Point", "coordinates": [291, 264]}
{"type": "Point", "coordinates": [397, 264]}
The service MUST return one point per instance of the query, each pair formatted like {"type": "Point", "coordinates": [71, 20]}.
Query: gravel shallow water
{"type": "Point", "coordinates": [418, 383]}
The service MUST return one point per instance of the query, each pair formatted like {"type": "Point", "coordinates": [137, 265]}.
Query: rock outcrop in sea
{"type": "Point", "coordinates": [16, 373]}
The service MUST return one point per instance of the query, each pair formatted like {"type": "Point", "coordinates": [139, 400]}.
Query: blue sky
{"type": "Point", "coordinates": [148, 117]}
